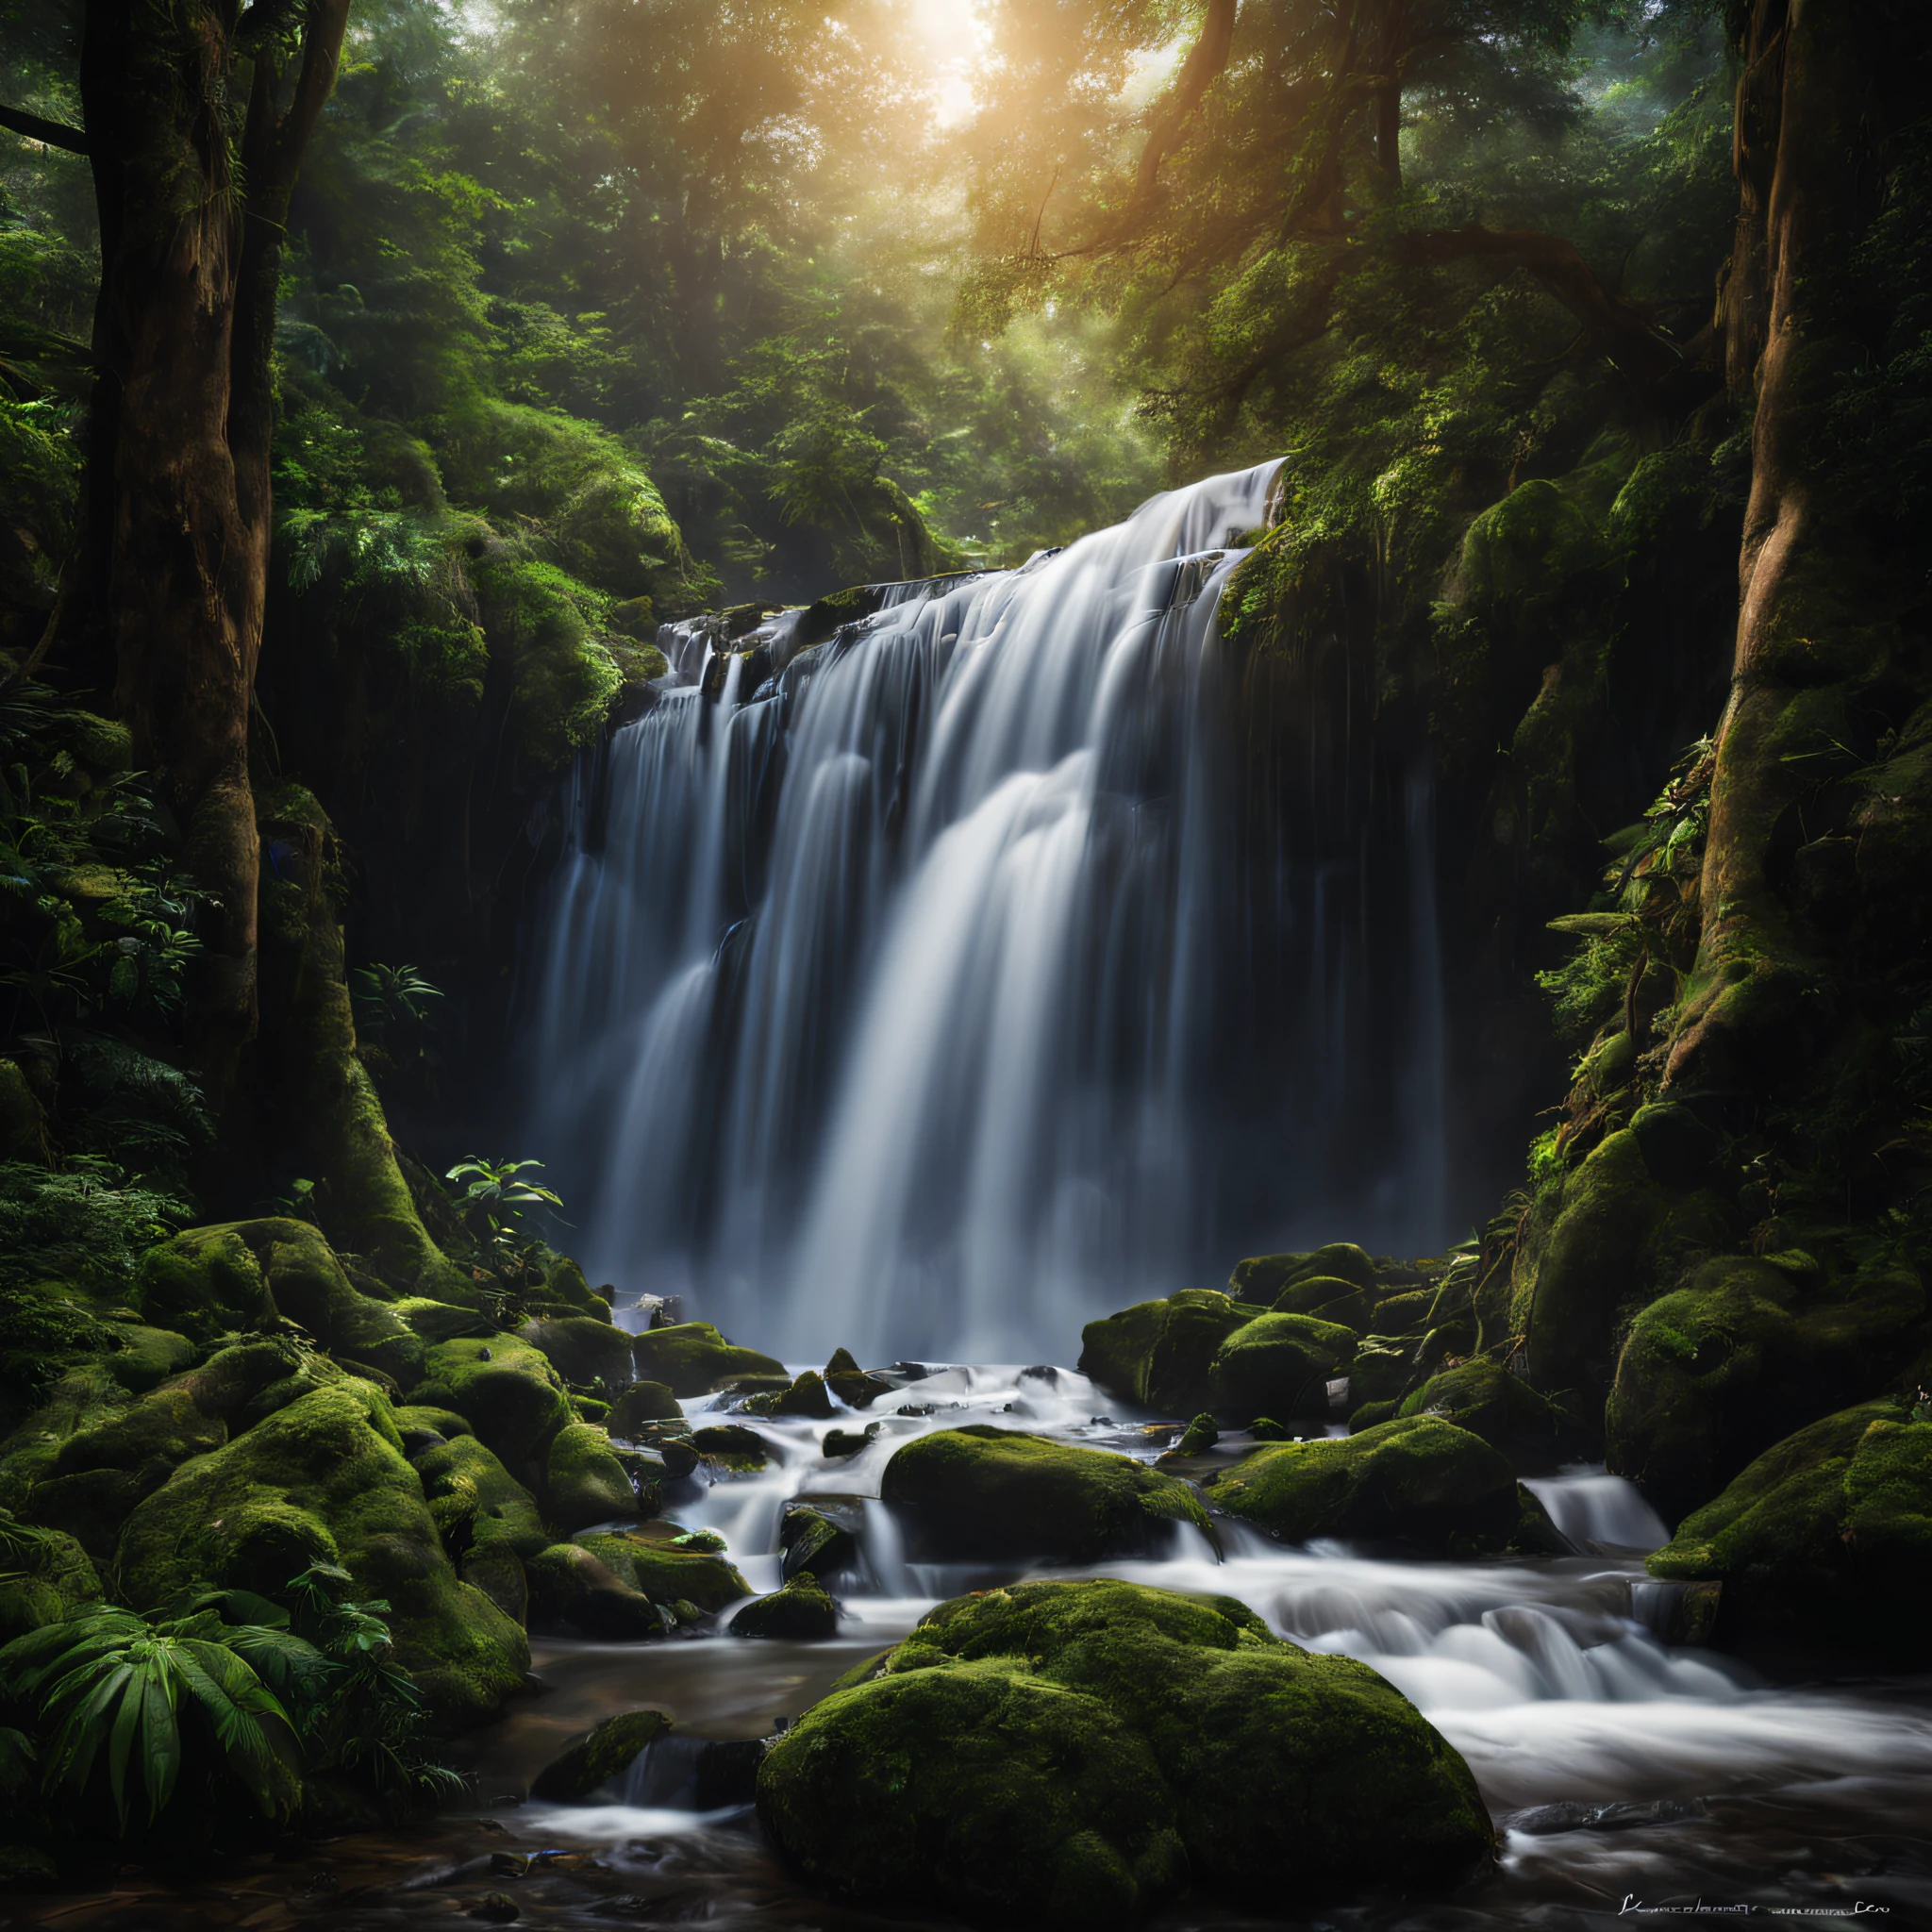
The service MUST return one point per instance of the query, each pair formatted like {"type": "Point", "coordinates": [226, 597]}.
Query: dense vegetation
{"type": "Point", "coordinates": [538, 330]}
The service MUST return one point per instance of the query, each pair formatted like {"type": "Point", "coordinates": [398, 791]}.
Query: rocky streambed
{"type": "Point", "coordinates": [1618, 1766]}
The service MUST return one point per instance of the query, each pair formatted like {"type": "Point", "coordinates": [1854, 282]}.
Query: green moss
{"type": "Point", "coordinates": [666, 1574]}
{"type": "Point", "coordinates": [1484, 1398]}
{"type": "Point", "coordinates": [968, 1755]}
{"type": "Point", "coordinates": [505, 1390]}
{"type": "Point", "coordinates": [802, 1611]}
{"type": "Point", "coordinates": [1826, 1537]}
{"type": "Point", "coordinates": [573, 1592]}
{"type": "Point", "coordinates": [1156, 1353]}
{"type": "Point", "coordinates": [983, 1492]}
{"type": "Point", "coordinates": [1415, 1480]}
{"type": "Point", "coordinates": [1278, 1365]}
{"type": "Point", "coordinates": [319, 1481]}
{"type": "Point", "coordinates": [599, 1757]}
{"type": "Point", "coordinates": [583, 1482]}
{"type": "Point", "coordinates": [731, 1446]}
{"type": "Point", "coordinates": [148, 1355]}
{"type": "Point", "coordinates": [1262, 1277]}
{"type": "Point", "coordinates": [477, 1505]}
{"type": "Point", "coordinates": [582, 1350]}
{"type": "Point", "coordinates": [692, 1358]}
{"type": "Point", "coordinates": [641, 1403]}
{"type": "Point", "coordinates": [44, 1578]}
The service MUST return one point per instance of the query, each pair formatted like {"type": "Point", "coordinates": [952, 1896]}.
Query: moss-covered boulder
{"type": "Point", "coordinates": [1825, 1539]}
{"type": "Point", "coordinates": [1278, 1366]}
{"type": "Point", "coordinates": [503, 1388]}
{"type": "Point", "coordinates": [247, 1274]}
{"type": "Point", "coordinates": [1618, 1238]}
{"type": "Point", "coordinates": [730, 1446]}
{"type": "Point", "coordinates": [325, 1479]}
{"type": "Point", "coordinates": [599, 1757]}
{"type": "Point", "coordinates": [692, 1358]}
{"type": "Point", "coordinates": [1075, 1753]}
{"type": "Point", "coordinates": [640, 1404]}
{"type": "Point", "coordinates": [1265, 1277]}
{"type": "Point", "coordinates": [1328, 1298]}
{"type": "Point", "coordinates": [573, 1592]}
{"type": "Point", "coordinates": [820, 1535]}
{"type": "Point", "coordinates": [476, 1502]}
{"type": "Point", "coordinates": [802, 1611]}
{"type": "Point", "coordinates": [1157, 1354]}
{"type": "Point", "coordinates": [984, 1493]}
{"type": "Point", "coordinates": [1485, 1399]}
{"type": "Point", "coordinates": [1417, 1481]}
{"type": "Point", "coordinates": [583, 1481]}
{"type": "Point", "coordinates": [667, 1574]}
{"type": "Point", "coordinates": [146, 1357]}
{"type": "Point", "coordinates": [1714, 1374]}
{"type": "Point", "coordinates": [45, 1576]}
{"type": "Point", "coordinates": [850, 1384]}
{"type": "Point", "coordinates": [582, 1350]}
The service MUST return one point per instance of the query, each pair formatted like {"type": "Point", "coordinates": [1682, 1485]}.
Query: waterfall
{"type": "Point", "coordinates": [920, 988]}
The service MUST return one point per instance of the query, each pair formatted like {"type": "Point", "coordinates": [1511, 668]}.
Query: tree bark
{"type": "Point", "coordinates": [177, 497]}
{"type": "Point", "coordinates": [1206, 60]}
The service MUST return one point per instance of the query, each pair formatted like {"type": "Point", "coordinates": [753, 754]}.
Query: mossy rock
{"type": "Point", "coordinates": [583, 1481]}
{"type": "Point", "coordinates": [45, 1576]}
{"type": "Point", "coordinates": [1279, 1365]}
{"type": "Point", "coordinates": [245, 1273]}
{"type": "Point", "coordinates": [1157, 1354]}
{"type": "Point", "coordinates": [1417, 1481]}
{"type": "Point", "coordinates": [325, 1480]}
{"type": "Point", "coordinates": [147, 1357]}
{"type": "Point", "coordinates": [599, 1757]}
{"type": "Point", "coordinates": [1825, 1539]}
{"type": "Point", "coordinates": [806, 1396]}
{"type": "Point", "coordinates": [1075, 1753]}
{"type": "Point", "coordinates": [441, 1320]}
{"type": "Point", "coordinates": [23, 1125]}
{"type": "Point", "coordinates": [1713, 1374]}
{"type": "Point", "coordinates": [982, 1493]}
{"type": "Point", "coordinates": [419, 1418]}
{"type": "Point", "coordinates": [476, 1502]}
{"type": "Point", "coordinates": [642, 1403]}
{"type": "Point", "coordinates": [820, 1535]}
{"type": "Point", "coordinates": [731, 1446]}
{"type": "Point", "coordinates": [574, 1593]}
{"type": "Point", "coordinates": [1618, 1236]}
{"type": "Point", "coordinates": [1328, 1298]}
{"type": "Point", "coordinates": [692, 1358]}
{"type": "Point", "coordinates": [802, 1612]}
{"type": "Point", "coordinates": [850, 1384]}
{"type": "Point", "coordinates": [582, 1350]}
{"type": "Point", "coordinates": [667, 1576]}
{"type": "Point", "coordinates": [505, 1388]}
{"type": "Point", "coordinates": [1264, 1277]}
{"type": "Point", "coordinates": [1484, 1398]}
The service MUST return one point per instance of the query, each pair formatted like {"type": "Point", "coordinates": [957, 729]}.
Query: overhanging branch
{"type": "Point", "coordinates": [38, 128]}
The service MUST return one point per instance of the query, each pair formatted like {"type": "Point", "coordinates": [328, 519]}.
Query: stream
{"type": "Point", "coordinates": [1620, 1771]}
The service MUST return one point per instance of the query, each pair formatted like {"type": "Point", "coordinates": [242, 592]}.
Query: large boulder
{"type": "Point", "coordinates": [45, 1576]}
{"type": "Point", "coordinates": [486, 1518]}
{"type": "Point", "coordinates": [575, 1594]}
{"type": "Point", "coordinates": [640, 1404]}
{"type": "Point", "coordinates": [325, 1480]}
{"type": "Point", "coordinates": [1825, 1539]}
{"type": "Point", "coordinates": [583, 1480]}
{"type": "Point", "coordinates": [1715, 1374]}
{"type": "Point", "coordinates": [1075, 1753]}
{"type": "Point", "coordinates": [247, 1274]}
{"type": "Point", "coordinates": [1265, 1277]}
{"type": "Point", "coordinates": [1418, 1481]}
{"type": "Point", "coordinates": [1485, 1399]}
{"type": "Point", "coordinates": [583, 1350]}
{"type": "Point", "coordinates": [599, 1756]}
{"type": "Point", "coordinates": [1157, 1354]}
{"type": "Point", "coordinates": [503, 1388]}
{"type": "Point", "coordinates": [650, 1564]}
{"type": "Point", "coordinates": [998, 1494]}
{"type": "Point", "coordinates": [692, 1358]}
{"type": "Point", "coordinates": [1278, 1366]}
{"type": "Point", "coordinates": [802, 1612]}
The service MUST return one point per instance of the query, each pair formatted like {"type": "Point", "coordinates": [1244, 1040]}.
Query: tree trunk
{"type": "Point", "coordinates": [1389, 132]}
{"type": "Point", "coordinates": [176, 555]}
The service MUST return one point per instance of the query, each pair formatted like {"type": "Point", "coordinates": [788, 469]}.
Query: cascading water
{"type": "Point", "coordinates": [930, 996]}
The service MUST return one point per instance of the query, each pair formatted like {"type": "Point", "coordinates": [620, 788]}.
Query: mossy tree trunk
{"type": "Point", "coordinates": [193, 194]}
{"type": "Point", "coordinates": [1816, 618]}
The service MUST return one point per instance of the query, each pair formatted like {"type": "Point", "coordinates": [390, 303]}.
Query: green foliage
{"type": "Point", "coordinates": [83, 1219]}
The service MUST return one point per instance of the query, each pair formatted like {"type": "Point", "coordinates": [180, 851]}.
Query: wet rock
{"type": "Point", "coordinates": [1419, 1481]}
{"type": "Point", "coordinates": [583, 1350]}
{"type": "Point", "coordinates": [802, 1611]}
{"type": "Point", "coordinates": [503, 1388]}
{"type": "Point", "coordinates": [692, 1358]}
{"type": "Point", "coordinates": [574, 1593]}
{"type": "Point", "coordinates": [1075, 1753]}
{"type": "Point", "coordinates": [1280, 1365]}
{"type": "Point", "coordinates": [841, 1442]}
{"type": "Point", "coordinates": [1264, 1278]}
{"type": "Point", "coordinates": [728, 1774]}
{"type": "Point", "coordinates": [850, 1384]}
{"type": "Point", "coordinates": [1536, 1533]}
{"type": "Point", "coordinates": [668, 1576]}
{"type": "Point", "coordinates": [987, 1493]}
{"type": "Point", "coordinates": [1544, 1821]}
{"type": "Point", "coordinates": [673, 1443]}
{"type": "Point", "coordinates": [642, 1403]}
{"type": "Point", "coordinates": [730, 1446]}
{"type": "Point", "coordinates": [806, 1396]}
{"type": "Point", "coordinates": [496, 1908]}
{"type": "Point", "coordinates": [1157, 1353]}
{"type": "Point", "coordinates": [1484, 1398]}
{"type": "Point", "coordinates": [599, 1757]}
{"type": "Point", "coordinates": [584, 1482]}
{"type": "Point", "coordinates": [1826, 1537]}
{"type": "Point", "coordinates": [820, 1535]}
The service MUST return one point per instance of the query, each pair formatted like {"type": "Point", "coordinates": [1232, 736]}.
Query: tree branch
{"type": "Point", "coordinates": [48, 133]}
{"type": "Point", "coordinates": [1205, 62]}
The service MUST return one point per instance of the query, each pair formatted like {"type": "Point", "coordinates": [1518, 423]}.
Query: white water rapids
{"type": "Point", "coordinates": [924, 997]}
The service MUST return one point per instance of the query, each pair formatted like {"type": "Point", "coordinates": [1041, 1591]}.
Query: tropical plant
{"type": "Point", "coordinates": [495, 1193]}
